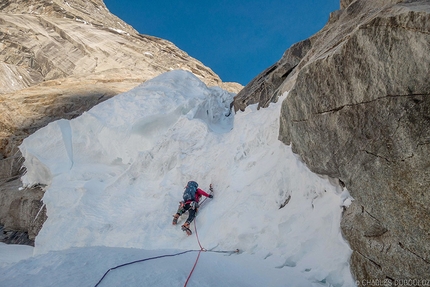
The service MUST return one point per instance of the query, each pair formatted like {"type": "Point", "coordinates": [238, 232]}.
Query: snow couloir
{"type": "Point", "coordinates": [114, 177]}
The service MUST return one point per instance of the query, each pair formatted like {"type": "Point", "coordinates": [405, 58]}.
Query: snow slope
{"type": "Point", "coordinates": [115, 175]}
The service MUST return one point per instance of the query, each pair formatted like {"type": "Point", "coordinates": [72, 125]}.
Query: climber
{"type": "Point", "coordinates": [191, 198]}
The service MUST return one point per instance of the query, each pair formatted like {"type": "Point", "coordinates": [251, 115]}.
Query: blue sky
{"type": "Point", "coordinates": [236, 39]}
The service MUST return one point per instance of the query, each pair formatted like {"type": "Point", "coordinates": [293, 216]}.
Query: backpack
{"type": "Point", "coordinates": [190, 191]}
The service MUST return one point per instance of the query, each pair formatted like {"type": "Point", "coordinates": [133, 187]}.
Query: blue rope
{"type": "Point", "coordinates": [161, 256]}
{"type": "Point", "coordinates": [142, 260]}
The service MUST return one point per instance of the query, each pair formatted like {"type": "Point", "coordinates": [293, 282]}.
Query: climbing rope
{"type": "Point", "coordinates": [192, 270]}
{"type": "Point", "coordinates": [197, 237]}
{"type": "Point", "coordinates": [198, 256]}
{"type": "Point", "coordinates": [142, 260]}
{"type": "Point", "coordinates": [167, 255]}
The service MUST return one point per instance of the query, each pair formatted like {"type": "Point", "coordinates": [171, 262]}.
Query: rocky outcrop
{"type": "Point", "coordinates": [263, 89]}
{"type": "Point", "coordinates": [345, 3]}
{"type": "Point", "coordinates": [60, 58]}
{"type": "Point", "coordinates": [22, 212]}
{"type": "Point", "coordinates": [358, 109]}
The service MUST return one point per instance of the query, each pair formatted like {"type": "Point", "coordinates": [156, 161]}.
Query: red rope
{"type": "Point", "coordinates": [192, 270]}
{"type": "Point", "coordinates": [198, 256]}
{"type": "Point", "coordinates": [197, 236]}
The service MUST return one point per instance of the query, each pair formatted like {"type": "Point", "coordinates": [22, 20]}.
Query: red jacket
{"type": "Point", "coordinates": [199, 193]}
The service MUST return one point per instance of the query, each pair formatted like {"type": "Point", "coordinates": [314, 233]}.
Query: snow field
{"type": "Point", "coordinates": [86, 266]}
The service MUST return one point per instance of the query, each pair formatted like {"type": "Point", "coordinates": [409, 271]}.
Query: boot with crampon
{"type": "Point", "coordinates": [175, 219]}
{"type": "Point", "coordinates": [186, 228]}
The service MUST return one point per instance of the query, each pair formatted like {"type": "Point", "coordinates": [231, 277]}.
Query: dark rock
{"type": "Point", "coordinates": [15, 237]}
{"type": "Point", "coordinates": [22, 212]}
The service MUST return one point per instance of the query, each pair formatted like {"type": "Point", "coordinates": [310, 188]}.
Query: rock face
{"type": "Point", "coordinates": [22, 212]}
{"type": "Point", "coordinates": [359, 110]}
{"type": "Point", "coordinates": [345, 3]}
{"type": "Point", "coordinates": [46, 40]}
{"type": "Point", "coordinates": [264, 88]}
{"type": "Point", "coordinates": [60, 58]}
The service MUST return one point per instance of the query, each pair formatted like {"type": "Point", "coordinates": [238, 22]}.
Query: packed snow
{"type": "Point", "coordinates": [114, 177]}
